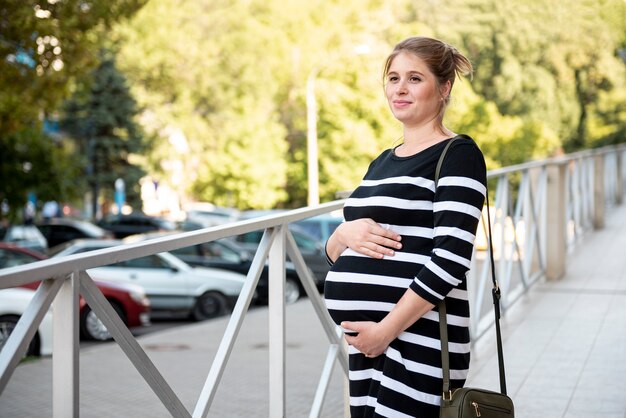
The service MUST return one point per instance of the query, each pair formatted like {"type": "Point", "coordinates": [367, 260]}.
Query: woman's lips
{"type": "Point", "coordinates": [401, 103]}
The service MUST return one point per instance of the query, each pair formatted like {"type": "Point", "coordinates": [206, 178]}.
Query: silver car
{"type": "Point", "coordinates": [173, 287]}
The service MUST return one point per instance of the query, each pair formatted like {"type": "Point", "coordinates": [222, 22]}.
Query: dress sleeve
{"type": "Point", "coordinates": [457, 207]}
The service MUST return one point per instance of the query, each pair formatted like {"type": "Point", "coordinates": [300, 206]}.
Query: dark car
{"type": "Point", "coordinates": [60, 230]}
{"type": "Point", "coordinates": [128, 300]}
{"type": "Point", "coordinates": [124, 225]}
{"type": "Point", "coordinates": [226, 254]}
{"type": "Point", "coordinates": [311, 249]}
{"type": "Point", "coordinates": [322, 226]}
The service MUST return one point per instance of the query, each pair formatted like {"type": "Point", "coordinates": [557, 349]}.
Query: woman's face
{"type": "Point", "coordinates": [412, 90]}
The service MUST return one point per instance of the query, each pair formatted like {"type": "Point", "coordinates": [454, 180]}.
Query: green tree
{"type": "Point", "coordinates": [45, 47]}
{"type": "Point", "coordinates": [541, 60]}
{"type": "Point", "coordinates": [231, 82]}
{"type": "Point", "coordinates": [101, 120]}
{"type": "Point", "coordinates": [42, 166]}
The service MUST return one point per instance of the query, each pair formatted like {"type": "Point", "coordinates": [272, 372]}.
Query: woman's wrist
{"type": "Point", "coordinates": [334, 247]}
{"type": "Point", "coordinates": [329, 260]}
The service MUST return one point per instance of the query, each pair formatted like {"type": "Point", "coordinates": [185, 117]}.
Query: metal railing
{"type": "Point", "coordinates": [540, 209]}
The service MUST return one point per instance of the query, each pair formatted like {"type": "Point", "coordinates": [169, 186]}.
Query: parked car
{"type": "Point", "coordinates": [27, 236]}
{"type": "Point", "coordinates": [322, 226]}
{"type": "Point", "coordinates": [60, 230]}
{"type": "Point", "coordinates": [209, 215]}
{"type": "Point", "coordinates": [124, 225]}
{"type": "Point", "coordinates": [173, 287]}
{"type": "Point", "coordinates": [13, 304]}
{"type": "Point", "coordinates": [128, 300]}
{"type": "Point", "coordinates": [311, 249]}
{"type": "Point", "coordinates": [228, 255]}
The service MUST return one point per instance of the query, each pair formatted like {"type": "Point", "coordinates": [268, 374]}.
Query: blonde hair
{"type": "Point", "coordinates": [442, 59]}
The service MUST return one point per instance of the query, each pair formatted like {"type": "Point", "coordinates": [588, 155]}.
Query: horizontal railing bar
{"type": "Point", "coordinates": [555, 160]}
{"type": "Point", "coordinates": [16, 276]}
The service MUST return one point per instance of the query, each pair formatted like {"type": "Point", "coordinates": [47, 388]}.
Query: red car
{"type": "Point", "coordinates": [128, 300]}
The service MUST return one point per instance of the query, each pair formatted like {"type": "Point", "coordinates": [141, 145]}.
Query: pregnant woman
{"type": "Point", "coordinates": [407, 244]}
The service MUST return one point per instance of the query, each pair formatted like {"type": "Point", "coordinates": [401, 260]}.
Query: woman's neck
{"type": "Point", "coordinates": [417, 139]}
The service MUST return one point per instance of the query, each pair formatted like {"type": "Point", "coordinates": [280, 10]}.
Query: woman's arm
{"type": "Point", "coordinates": [373, 338]}
{"type": "Point", "coordinates": [363, 236]}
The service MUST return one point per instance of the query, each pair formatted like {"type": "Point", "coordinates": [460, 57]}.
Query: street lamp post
{"type": "Point", "coordinates": [311, 139]}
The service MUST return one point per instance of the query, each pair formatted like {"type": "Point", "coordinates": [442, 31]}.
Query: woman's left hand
{"type": "Point", "coordinates": [371, 340]}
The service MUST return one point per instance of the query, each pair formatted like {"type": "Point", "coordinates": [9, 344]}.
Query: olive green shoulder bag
{"type": "Point", "coordinates": [473, 402]}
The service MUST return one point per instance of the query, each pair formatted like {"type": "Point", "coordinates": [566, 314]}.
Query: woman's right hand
{"type": "Point", "coordinates": [365, 237]}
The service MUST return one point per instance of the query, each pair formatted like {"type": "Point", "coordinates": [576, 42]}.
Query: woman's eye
{"type": "Point", "coordinates": [415, 79]}
{"type": "Point", "coordinates": [392, 78]}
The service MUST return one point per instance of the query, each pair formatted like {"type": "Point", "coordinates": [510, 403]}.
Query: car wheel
{"type": "Point", "coordinates": [209, 305]}
{"type": "Point", "coordinates": [92, 328]}
{"type": "Point", "coordinates": [292, 290]}
{"type": "Point", "coordinates": [7, 325]}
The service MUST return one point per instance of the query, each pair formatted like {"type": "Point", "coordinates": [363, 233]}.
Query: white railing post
{"type": "Point", "coordinates": [556, 218]}
{"type": "Point", "coordinates": [598, 191]}
{"type": "Point", "coordinates": [277, 339]}
{"type": "Point", "coordinates": [65, 348]}
{"type": "Point", "coordinates": [17, 344]}
{"type": "Point", "coordinates": [619, 176]}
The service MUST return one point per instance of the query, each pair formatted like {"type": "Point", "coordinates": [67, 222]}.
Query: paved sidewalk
{"type": "Point", "coordinates": [111, 387]}
{"type": "Point", "coordinates": [565, 353]}
{"type": "Point", "coordinates": [565, 341]}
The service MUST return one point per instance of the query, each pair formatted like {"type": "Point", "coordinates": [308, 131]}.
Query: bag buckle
{"type": "Point", "coordinates": [449, 396]}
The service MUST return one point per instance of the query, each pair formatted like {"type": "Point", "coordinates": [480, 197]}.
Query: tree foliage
{"type": "Point", "coordinates": [45, 49]}
{"type": "Point", "coordinates": [222, 84]}
{"type": "Point", "coordinates": [32, 162]}
{"type": "Point", "coordinates": [44, 45]}
{"type": "Point", "coordinates": [233, 80]}
{"type": "Point", "coordinates": [100, 119]}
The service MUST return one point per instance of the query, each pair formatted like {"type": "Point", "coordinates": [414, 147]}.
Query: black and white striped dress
{"type": "Point", "coordinates": [438, 228]}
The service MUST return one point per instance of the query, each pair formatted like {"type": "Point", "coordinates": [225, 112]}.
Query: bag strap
{"type": "Point", "coordinates": [443, 326]}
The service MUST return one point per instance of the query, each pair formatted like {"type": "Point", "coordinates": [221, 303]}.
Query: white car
{"type": "Point", "coordinates": [13, 303]}
{"type": "Point", "coordinates": [172, 286]}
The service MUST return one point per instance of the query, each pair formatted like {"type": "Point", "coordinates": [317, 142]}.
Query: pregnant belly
{"type": "Point", "coordinates": [361, 297]}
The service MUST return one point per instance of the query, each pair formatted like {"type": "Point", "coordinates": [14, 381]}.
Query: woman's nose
{"type": "Point", "coordinates": [401, 87]}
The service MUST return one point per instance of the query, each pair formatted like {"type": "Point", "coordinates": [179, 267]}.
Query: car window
{"type": "Point", "coordinates": [253, 237]}
{"type": "Point", "coordinates": [304, 242]}
{"type": "Point", "coordinates": [332, 226]}
{"type": "Point", "coordinates": [217, 250]}
{"type": "Point", "coordinates": [45, 229]}
{"type": "Point", "coordinates": [62, 247]}
{"type": "Point", "coordinates": [14, 258]}
{"type": "Point", "coordinates": [149, 262]}
{"type": "Point", "coordinates": [88, 229]}
{"type": "Point", "coordinates": [23, 233]}
{"type": "Point", "coordinates": [312, 228]}
{"type": "Point", "coordinates": [192, 250]}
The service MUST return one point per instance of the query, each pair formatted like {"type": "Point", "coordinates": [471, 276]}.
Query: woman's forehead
{"type": "Point", "coordinates": [406, 62]}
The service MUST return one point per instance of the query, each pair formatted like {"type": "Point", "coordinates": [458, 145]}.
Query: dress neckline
{"type": "Point", "coordinates": [430, 147]}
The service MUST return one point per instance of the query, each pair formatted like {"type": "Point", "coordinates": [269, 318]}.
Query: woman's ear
{"type": "Point", "coordinates": [445, 90]}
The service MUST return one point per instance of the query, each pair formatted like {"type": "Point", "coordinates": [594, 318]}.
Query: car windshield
{"type": "Point", "coordinates": [22, 233]}
{"type": "Point", "coordinates": [90, 229]}
{"type": "Point", "coordinates": [59, 248]}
